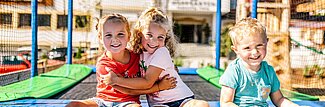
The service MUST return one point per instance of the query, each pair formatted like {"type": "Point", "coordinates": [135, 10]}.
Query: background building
{"type": "Point", "coordinates": [194, 22]}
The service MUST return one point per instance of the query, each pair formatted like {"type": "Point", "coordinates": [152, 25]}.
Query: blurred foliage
{"type": "Point", "coordinates": [178, 30]}
{"type": "Point", "coordinates": [225, 41]}
{"type": "Point", "coordinates": [78, 55]}
{"type": "Point", "coordinates": [178, 61]}
{"type": "Point", "coordinates": [44, 56]}
{"type": "Point", "coordinates": [309, 71]}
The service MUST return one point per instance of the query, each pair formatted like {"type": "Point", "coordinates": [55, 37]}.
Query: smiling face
{"type": "Point", "coordinates": [114, 37]}
{"type": "Point", "coordinates": [153, 38]}
{"type": "Point", "coordinates": [252, 50]}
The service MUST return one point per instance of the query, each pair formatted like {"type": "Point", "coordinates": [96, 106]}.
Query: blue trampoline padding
{"type": "Point", "coordinates": [311, 103]}
{"type": "Point", "coordinates": [304, 103]}
{"type": "Point", "coordinates": [36, 103]}
{"type": "Point", "coordinates": [187, 71]}
{"type": "Point", "coordinates": [62, 103]}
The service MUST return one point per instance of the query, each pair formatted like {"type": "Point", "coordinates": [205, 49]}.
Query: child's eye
{"type": "Point", "coordinates": [108, 35]}
{"type": "Point", "coordinates": [161, 37]}
{"type": "Point", "coordinates": [121, 34]}
{"type": "Point", "coordinates": [260, 46]}
{"type": "Point", "coordinates": [246, 48]}
{"type": "Point", "coordinates": [148, 36]}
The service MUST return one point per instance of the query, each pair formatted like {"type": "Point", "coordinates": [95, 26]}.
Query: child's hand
{"type": "Point", "coordinates": [109, 77]}
{"type": "Point", "coordinates": [167, 83]}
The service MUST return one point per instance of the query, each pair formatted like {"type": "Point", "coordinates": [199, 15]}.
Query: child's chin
{"type": "Point", "coordinates": [255, 63]}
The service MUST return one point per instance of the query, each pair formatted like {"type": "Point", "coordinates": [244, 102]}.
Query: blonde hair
{"type": "Point", "coordinates": [114, 18]}
{"type": "Point", "coordinates": [246, 27]}
{"type": "Point", "coordinates": [153, 15]}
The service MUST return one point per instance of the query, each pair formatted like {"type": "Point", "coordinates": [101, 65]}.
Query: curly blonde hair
{"type": "Point", "coordinates": [114, 18]}
{"type": "Point", "coordinates": [246, 27]}
{"type": "Point", "coordinates": [153, 15]}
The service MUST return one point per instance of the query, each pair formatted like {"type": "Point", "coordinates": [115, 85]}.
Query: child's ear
{"type": "Point", "coordinates": [139, 33]}
{"type": "Point", "coordinates": [100, 41]}
{"type": "Point", "coordinates": [99, 37]}
{"type": "Point", "coordinates": [129, 35]}
{"type": "Point", "coordinates": [234, 48]}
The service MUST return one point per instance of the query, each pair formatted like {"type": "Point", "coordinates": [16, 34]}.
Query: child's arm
{"type": "Point", "coordinates": [164, 84]}
{"type": "Point", "coordinates": [151, 76]}
{"type": "Point", "coordinates": [161, 60]}
{"type": "Point", "coordinates": [280, 101]}
{"type": "Point", "coordinates": [227, 97]}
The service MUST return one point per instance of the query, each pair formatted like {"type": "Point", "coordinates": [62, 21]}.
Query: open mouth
{"type": "Point", "coordinates": [153, 47]}
{"type": "Point", "coordinates": [254, 58]}
{"type": "Point", "coordinates": [116, 46]}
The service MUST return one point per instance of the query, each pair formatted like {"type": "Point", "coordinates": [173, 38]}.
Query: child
{"type": "Point", "coordinates": [114, 33]}
{"type": "Point", "coordinates": [248, 80]}
{"type": "Point", "coordinates": [154, 39]}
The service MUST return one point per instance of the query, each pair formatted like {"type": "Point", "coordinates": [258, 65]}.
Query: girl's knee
{"type": "Point", "coordinates": [75, 104]}
{"type": "Point", "coordinates": [196, 103]}
{"type": "Point", "coordinates": [84, 103]}
{"type": "Point", "coordinates": [133, 105]}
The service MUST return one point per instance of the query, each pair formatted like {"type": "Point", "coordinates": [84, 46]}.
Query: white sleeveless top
{"type": "Point", "coordinates": [162, 59]}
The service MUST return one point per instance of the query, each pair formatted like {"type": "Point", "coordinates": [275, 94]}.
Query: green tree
{"type": "Point", "coordinates": [178, 30]}
{"type": "Point", "coordinates": [225, 41]}
{"type": "Point", "coordinates": [78, 55]}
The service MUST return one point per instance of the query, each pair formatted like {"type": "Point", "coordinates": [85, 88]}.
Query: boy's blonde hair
{"type": "Point", "coordinates": [114, 18]}
{"type": "Point", "coordinates": [153, 15]}
{"type": "Point", "coordinates": [246, 27]}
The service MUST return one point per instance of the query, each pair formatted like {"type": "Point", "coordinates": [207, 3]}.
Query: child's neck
{"type": "Point", "coordinates": [251, 68]}
{"type": "Point", "coordinates": [122, 57]}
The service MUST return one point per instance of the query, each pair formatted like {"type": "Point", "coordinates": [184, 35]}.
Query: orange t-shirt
{"type": "Point", "coordinates": [129, 70]}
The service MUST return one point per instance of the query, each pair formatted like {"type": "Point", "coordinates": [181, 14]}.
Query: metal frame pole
{"type": "Point", "coordinates": [70, 23]}
{"type": "Point", "coordinates": [218, 33]}
{"type": "Point", "coordinates": [34, 52]}
{"type": "Point", "coordinates": [254, 8]}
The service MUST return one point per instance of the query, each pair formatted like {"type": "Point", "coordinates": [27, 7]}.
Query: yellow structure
{"type": "Point", "coordinates": [317, 5]}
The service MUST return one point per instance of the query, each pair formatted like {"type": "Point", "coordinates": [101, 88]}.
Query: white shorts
{"type": "Point", "coordinates": [103, 103]}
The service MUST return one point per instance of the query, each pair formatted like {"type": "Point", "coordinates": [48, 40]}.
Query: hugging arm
{"type": "Point", "coordinates": [164, 84]}
{"type": "Point", "coordinates": [159, 62]}
{"type": "Point", "coordinates": [146, 82]}
{"type": "Point", "coordinates": [151, 76]}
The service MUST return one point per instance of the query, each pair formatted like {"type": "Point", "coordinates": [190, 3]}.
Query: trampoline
{"type": "Point", "coordinates": [62, 103]}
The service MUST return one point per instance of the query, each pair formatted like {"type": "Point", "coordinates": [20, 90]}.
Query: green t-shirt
{"type": "Point", "coordinates": [251, 88]}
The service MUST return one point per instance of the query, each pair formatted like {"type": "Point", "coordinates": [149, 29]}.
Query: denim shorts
{"type": "Point", "coordinates": [179, 102]}
{"type": "Point", "coordinates": [103, 103]}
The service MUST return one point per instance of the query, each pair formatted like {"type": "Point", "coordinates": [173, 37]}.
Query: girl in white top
{"type": "Point", "coordinates": [154, 39]}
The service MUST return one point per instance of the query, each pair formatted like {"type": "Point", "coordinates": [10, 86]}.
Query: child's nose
{"type": "Point", "coordinates": [114, 39]}
{"type": "Point", "coordinates": [152, 39]}
{"type": "Point", "coordinates": [254, 51]}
